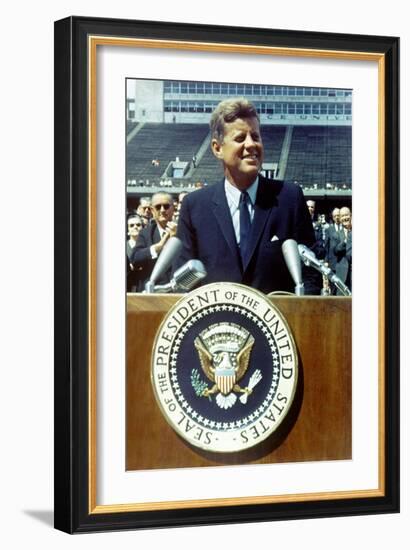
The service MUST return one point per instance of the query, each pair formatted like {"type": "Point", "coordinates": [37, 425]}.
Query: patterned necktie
{"type": "Point", "coordinates": [244, 224]}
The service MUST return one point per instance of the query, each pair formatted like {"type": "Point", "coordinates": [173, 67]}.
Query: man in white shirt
{"type": "Point", "coordinates": [152, 238]}
{"type": "Point", "coordinates": [236, 227]}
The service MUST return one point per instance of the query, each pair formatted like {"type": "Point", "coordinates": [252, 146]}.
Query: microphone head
{"type": "Point", "coordinates": [291, 254]}
{"type": "Point", "coordinates": [168, 254]}
{"type": "Point", "coordinates": [304, 250]}
{"type": "Point", "coordinates": [188, 275]}
{"type": "Point", "coordinates": [309, 257]}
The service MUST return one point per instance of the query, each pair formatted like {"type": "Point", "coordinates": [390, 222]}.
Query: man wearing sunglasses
{"type": "Point", "coordinates": [151, 240]}
{"type": "Point", "coordinates": [134, 225]}
{"type": "Point", "coordinates": [144, 210]}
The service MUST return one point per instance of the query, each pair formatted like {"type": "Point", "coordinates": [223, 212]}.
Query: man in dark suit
{"type": "Point", "coordinates": [319, 246]}
{"type": "Point", "coordinates": [151, 240]}
{"type": "Point", "coordinates": [237, 227]}
{"type": "Point", "coordinates": [134, 224]}
{"type": "Point", "coordinates": [332, 236]}
{"type": "Point", "coordinates": [342, 248]}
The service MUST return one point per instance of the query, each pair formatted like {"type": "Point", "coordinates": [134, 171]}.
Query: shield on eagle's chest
{"type": "Point", "coordinates": [225, 379]}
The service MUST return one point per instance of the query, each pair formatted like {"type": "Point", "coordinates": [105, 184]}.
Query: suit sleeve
{"type": "Point", "coordinates": [141, 254]}
{"type": "Point", "coordinates": [186, 232]}
{"type": "Point", "coordinates": [343, 247]}
{"type": "Point", "coordinates": [349, 248]}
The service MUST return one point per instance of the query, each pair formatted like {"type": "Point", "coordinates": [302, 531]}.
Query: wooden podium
{"type": "Point", "coordinates": [318, 426]}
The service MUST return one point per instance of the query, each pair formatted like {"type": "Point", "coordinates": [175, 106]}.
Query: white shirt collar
{"type": "Point", "coordinates": [233, 194]}
{"type": "Point", "coordinates": [161, 230]}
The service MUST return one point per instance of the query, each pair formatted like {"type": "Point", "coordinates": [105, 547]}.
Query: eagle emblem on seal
{"type": "Point", "coordinates": [224, 351]}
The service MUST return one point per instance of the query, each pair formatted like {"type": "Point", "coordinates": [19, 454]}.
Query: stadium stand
{"type": "Point", "coordinates": [320, 155]}
{"type": "Point", "coordinates": [272, 137]}
{"type": "Point", "coordinates": [163, 142]}
{"type": "Point", "coordinates": [131, 126]}
{"type": "Point", "coordinates": [209, 170]}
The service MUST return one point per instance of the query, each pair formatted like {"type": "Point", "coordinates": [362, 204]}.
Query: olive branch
{"type": "Point", "coordinates": [199, 385]}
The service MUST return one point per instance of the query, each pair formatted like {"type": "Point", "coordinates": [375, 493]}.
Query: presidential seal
{"type": "Point", "coordinates": [224, 367]}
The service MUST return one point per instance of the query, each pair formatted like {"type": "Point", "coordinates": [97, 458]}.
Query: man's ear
{"type": "Point", "coordinates": [216, 148]}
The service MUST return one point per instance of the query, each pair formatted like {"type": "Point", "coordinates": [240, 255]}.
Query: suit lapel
{"type": "Point", "coordinates": [223, 217]}
{"type": "Point", "coordinates": [155, 234]}
{"type": "Point", "coordinates": [262, 211]}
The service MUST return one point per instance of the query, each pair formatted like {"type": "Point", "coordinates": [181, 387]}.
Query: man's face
{"type": "Point", "coordinates": [336, 215]}
{"type": "Point", "coordinates": [241, 151]}
{"type": "Point", "coordinates": [346, 218]}
{"type": "Point", "coordinates": [144, 210]}
{"type": "Point", "coordinates": [311, 208]}
{"type": "Point", "coordinates": [134, 227]}
{"type": "Point", "coordinates": [162, 209]}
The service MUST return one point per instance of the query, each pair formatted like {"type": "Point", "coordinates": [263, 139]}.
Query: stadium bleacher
{"type": "Point", "coordinates": [162, 142]}
{"type": "Point", "coordinates": [319, 156]}
{"type": "Point", "coordinates": [131, 126]}
{"type": "Point", "coordinates": [272, 137]}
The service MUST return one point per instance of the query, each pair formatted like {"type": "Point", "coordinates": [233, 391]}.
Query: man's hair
{"type": "Point", "coordinates": [134, 216]}
{"type": "Point", "coordinates": [146, 199]}
{"type": "Point", "coordinates": [228, 111]}
{"type": "Point", "coordinates": [162, 194]}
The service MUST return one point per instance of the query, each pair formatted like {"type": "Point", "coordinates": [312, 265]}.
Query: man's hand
{"type": "Point", "coordinates": [171, 231]}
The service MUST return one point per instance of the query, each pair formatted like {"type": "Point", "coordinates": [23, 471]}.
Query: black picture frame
{"type": "Point", "coordinates": [74, 508]}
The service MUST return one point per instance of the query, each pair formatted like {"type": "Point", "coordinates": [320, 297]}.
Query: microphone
{"type": "Point", "coordinates": [309, 259]}
{"type": "Point", "coordinates": [184, 278]}
{"type": "Point", "coordinates": [291, 254]}
{"type": "Point", "coordinates": [170, 251]}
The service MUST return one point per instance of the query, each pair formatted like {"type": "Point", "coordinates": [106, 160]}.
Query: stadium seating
{"type": "Point", "coordinates": [163, 142]}
{"type": "Point", "coordinates": [131, 126]}
{"type": "Point", "coordinates": [320, 155]}
{"type": "Point", "coordinates": [272, 137]}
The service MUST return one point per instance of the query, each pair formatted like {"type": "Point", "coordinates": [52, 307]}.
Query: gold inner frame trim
{"type": "Point", "coordinates": [93, 43]}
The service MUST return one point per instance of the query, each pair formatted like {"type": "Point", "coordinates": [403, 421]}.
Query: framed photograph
{"type": "Point", "coordinates": [214, 377]}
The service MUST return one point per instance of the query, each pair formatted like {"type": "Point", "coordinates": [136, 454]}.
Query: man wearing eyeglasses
{"type": "Point", "coordinates": [151, 240]}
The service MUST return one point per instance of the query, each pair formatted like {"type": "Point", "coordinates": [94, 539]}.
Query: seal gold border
{"type": "Point", "coordinates": [263, 421]}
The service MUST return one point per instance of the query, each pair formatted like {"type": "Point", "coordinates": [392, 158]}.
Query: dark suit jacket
{"type": "Point", "coordinates": [134, 274]}
{"type": "Point", "coordinates": [331, 241]}
{"type": "Point", "coordinates": [206, 230]}
{"type": "Point", "coordinates": [319, 248]}
{"type": "Point", "coordinates": [343, 253]}
{"type": "Point", "coordinates": [141, 255]}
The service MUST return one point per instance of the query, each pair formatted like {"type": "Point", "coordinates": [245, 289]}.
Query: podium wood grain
{"type": "Point", "coordinates": [318, 426]}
